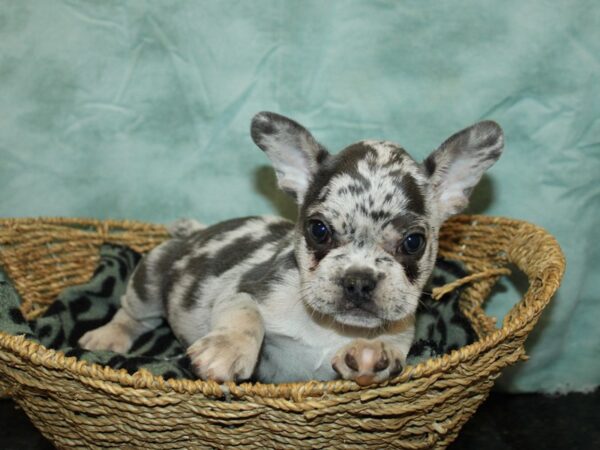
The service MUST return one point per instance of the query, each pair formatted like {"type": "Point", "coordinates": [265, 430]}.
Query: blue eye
{"type": "Point", "coordinates": [413, 243]}
{"type": "Point", "coordinates": [318, 231]}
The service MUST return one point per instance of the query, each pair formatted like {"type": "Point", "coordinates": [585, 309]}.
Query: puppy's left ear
{"type": "Point", "coordinates": [293, 151]}
{"type": "Point", "coordinates": [458, 164]}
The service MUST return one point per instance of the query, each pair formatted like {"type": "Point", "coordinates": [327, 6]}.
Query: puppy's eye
{"type": "Point", "coordinates": [318, 231]}
{"type": "Point", "coordinates": [413, 243]}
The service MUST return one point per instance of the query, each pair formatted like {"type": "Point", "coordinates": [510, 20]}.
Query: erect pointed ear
{"type": "Point", "coordinates": [458, 164]}
{"type": "Point", "coordinates": [293, 151]}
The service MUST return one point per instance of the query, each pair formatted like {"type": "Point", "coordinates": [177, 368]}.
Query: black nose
{"type": "Point", "coordinates": [359, 285]}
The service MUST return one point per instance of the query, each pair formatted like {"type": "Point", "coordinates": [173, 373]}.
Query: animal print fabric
{"type": "Point", "coordinates": [441, 327]}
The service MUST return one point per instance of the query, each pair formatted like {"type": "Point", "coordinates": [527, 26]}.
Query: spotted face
{"type": "Point", "coordinates": [365, 244]}
{"type": "Point", "coordinates": [367, 235]}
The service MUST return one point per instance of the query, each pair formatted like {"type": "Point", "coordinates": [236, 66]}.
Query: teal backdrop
{"type": "Point", "coordinates": [141, 110]}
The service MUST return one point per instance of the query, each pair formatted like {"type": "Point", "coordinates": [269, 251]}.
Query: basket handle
{"type": "Point", "coordinates": [438, 292]}
{"type": "Point", "coordinates": [537, 254]}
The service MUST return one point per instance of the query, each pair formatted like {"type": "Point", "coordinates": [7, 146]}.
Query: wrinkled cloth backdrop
{"type": "Point", "coordinates": [141, 110]}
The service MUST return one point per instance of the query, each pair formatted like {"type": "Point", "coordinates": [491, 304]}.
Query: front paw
{"type": "Point", "coordinates": [224, 356]}
{"type": "Point", "coordinates": [368, 361]}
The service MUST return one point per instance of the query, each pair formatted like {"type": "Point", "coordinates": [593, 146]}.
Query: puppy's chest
{"type": "Point", "coordinates": [285, 360]}
{"type": "Point", "coordinates": [295, 347]}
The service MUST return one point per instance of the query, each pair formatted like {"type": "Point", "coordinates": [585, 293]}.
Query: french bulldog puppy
{"type": "Point", "coordinates": [333, 295]}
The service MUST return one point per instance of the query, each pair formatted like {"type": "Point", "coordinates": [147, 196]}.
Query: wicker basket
{"type": "Point", "coordinates": [77, 404]}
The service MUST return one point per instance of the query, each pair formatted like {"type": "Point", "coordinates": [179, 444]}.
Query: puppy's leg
{"type": "Point", "coordinates": [142, 306]}
{"type": "Point", "coordinates": [134, 318]}
{"type": "Point", "coordinates": [369, 361]}
{"type": "Point", "coordinates": [230, 351]}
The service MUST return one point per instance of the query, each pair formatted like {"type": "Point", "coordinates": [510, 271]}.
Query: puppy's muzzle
{"type": "Point", "coordinates": [358, 285]}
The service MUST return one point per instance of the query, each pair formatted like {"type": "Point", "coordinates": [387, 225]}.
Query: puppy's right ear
{"type": "Point", "coordinates": [293, 151]}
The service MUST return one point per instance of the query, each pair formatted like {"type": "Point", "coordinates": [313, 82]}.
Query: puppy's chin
{"type": "Point", "coordinates": [357, 317]}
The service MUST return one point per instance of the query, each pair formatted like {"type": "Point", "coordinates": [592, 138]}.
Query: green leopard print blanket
{"type": "Point", "coordinates": [441, 327]}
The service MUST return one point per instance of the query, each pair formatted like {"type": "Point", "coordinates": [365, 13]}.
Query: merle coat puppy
{"type": "Point", "coordinates": [334, 294]}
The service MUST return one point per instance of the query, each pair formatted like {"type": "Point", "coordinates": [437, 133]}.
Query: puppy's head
{"type": "Point", "coordinates": [369, 217]}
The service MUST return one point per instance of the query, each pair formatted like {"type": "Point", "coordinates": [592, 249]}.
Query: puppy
{"type": "Point", "coordinates": [334, 294]}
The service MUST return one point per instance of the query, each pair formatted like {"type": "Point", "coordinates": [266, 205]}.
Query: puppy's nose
{"type": "Point", "coordinates": [359, 285]}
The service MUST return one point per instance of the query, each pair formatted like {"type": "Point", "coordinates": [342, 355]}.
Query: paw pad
{"type": "Point", "coordinates": [368, 361]}
{"type": "Point", "coordinates": [351, 361]}
{"type": "Point", "coordinates": [382, 364]}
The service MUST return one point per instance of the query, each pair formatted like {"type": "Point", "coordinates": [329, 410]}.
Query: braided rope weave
{"type": "Point", "coordinates": [76, 404]}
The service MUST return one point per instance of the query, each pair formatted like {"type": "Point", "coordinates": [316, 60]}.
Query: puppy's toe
{"type": "Point", "coordinates": [368, 361]}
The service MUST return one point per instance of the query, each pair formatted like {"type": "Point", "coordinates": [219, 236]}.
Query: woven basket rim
{"type": "Point", "coordinates": [526, 310]}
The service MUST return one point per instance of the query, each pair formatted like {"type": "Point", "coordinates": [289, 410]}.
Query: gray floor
{"type": "Point", "coordinates": [504, 422]}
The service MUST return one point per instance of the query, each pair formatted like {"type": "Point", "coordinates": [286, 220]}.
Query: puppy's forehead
{"type": "Point", "coordinates": [371, 180]}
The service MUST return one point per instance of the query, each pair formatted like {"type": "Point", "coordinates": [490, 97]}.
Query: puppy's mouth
{"type": "Point", "coordinates": [339, 309]}
{"type": "Point", "coordinates": [365, 315]}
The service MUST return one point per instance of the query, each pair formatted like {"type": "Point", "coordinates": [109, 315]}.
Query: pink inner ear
{"type": "Point", "coordinates": [449, 203]}
{"type": "Point", "coordinates": [292, 151]}
{"type": "Point", "coordinates": [450, 191]}
{"type": "Point", "coordinates": [461, 176]}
